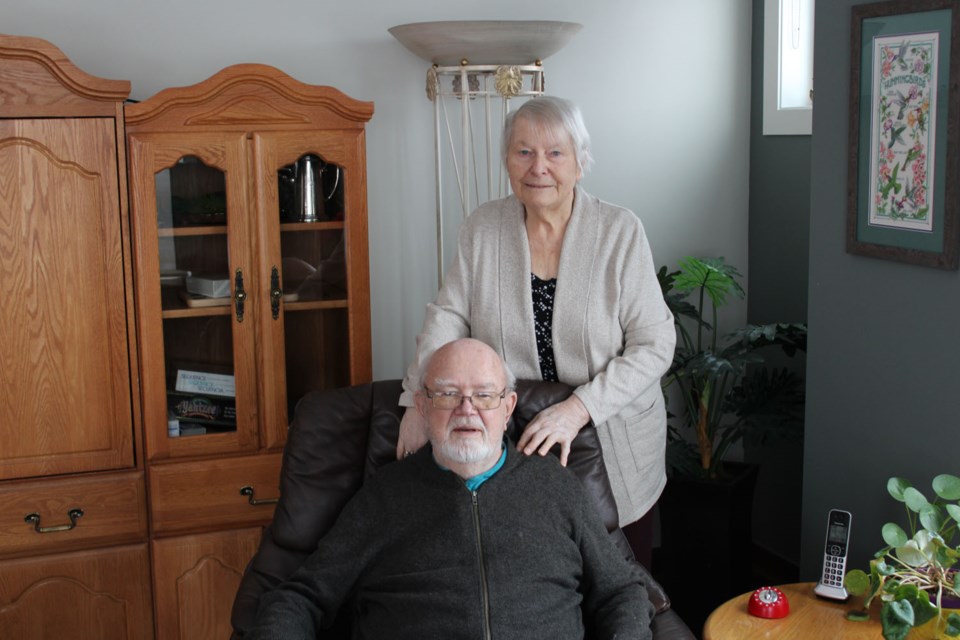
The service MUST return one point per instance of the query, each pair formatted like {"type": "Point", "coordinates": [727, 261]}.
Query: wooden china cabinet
{"type": "Point", "coordinates": [249, 225]}
{"type": "Point", "coordinates": [74, 560]}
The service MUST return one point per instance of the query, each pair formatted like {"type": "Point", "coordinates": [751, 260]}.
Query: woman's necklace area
{"type": "Point", "coordinates": [545, 247]}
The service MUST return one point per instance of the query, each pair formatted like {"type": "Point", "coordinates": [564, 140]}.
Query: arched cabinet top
{"type": "Point", "coordinates": [37, 79]}
{"type": "Point", "coordinates": [246, 97]}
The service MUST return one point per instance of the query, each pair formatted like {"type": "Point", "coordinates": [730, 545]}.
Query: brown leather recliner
{"type": "Point", "coordinates": [340, 438]}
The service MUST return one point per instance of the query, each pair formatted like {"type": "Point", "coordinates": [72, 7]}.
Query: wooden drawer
{"type": "Point", "coordinates": [114, 512]}
{"type": "Point", "coordinates": [205, 495]}
{"type": "Point", "coordinates": [102, 594]}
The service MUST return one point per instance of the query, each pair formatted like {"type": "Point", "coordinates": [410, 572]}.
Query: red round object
{"type": "Point", "coordinates": [768, 602]}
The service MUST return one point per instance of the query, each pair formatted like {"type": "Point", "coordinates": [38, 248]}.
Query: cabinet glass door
{"type": "Point", "coordinates": [196, 296]}
{"type": "Point", "coordinates": [306, 191]}
{"type": "Point", "coordinates": [194, 243]}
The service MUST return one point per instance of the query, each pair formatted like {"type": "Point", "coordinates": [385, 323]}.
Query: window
{"type": "Point", "coordinates": [787, 67]}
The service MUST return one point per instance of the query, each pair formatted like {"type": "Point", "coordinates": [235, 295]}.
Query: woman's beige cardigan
{"type": "Point", "coordinates": [613, 335]}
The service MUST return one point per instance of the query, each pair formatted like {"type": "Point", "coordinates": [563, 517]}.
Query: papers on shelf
{"type": "Point", "coordinates": [214, 384]}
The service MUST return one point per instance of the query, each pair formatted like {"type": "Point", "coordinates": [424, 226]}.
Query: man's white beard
{"type": "Point", "coordinates": [467, 450]}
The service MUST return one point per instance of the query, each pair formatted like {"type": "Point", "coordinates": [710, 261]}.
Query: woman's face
{"type": "Point", "coordinates": [542, 166]}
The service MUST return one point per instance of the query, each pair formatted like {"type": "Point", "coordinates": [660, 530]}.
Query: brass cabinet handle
{"type": "Point", "coordinates": [248, 491]}
{"type": "Point", "coordinates": [239, 294]}
{"type": "Point", "coordinates": [275, 292]}
{"type": "Point", "coordinates": [73, 514]}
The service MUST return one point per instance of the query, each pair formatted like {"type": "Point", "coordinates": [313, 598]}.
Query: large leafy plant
{"type": "Point", "coordinates": [915, 574]}
{"type": "Point", "coordinates": [728, 393]}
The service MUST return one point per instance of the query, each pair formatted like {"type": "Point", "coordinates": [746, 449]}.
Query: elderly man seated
{"type": "Point", "coordinates": [467, 538]}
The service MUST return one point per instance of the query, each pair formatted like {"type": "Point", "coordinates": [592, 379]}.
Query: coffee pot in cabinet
{"type": "Point", "coordinates": [305, 187]}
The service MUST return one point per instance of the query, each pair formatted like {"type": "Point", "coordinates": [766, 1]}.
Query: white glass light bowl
{"type": "Point", "coordinates": [482, 42]}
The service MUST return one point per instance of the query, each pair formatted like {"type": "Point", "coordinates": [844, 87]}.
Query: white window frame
{"type": "Point", "coordinates": [777, 120]}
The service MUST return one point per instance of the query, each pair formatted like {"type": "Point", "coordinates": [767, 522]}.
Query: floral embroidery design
{"type": "Point", "coordinates": [902, 136]}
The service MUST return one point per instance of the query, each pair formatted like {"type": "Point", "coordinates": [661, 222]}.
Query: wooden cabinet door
{"type": "Point", "coordinates": [91, 595]}
{"type": "Point", "coordinates": [190, 216]}
{"type": "Point", "coordinates": [196, 580]}
{"type": "Point", "coordinates": [64, 360]}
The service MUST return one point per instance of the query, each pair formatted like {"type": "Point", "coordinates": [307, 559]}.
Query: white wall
{"type": "Point", "coordinates": [664, 86]}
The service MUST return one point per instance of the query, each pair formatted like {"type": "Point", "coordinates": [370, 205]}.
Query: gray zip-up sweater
{"type": "Point", "coordinates": [418, 555]}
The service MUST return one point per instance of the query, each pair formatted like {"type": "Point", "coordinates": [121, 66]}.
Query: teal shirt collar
{"type": "Point", "coordinates": [474, 482]}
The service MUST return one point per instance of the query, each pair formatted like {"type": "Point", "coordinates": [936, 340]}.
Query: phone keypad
{"type": "Point", "coordinates": [833, 568]}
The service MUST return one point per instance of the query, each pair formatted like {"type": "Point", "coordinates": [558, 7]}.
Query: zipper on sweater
{"type": "Point", "coordinates": [484, 590]}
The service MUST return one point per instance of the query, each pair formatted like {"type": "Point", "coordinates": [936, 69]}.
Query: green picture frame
{"type": "Point", "coordinates": [904, 117]}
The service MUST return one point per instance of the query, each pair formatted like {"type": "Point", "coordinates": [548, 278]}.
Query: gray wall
{"type": "Point", "coordinates": [881, 385]}
{"type": "Point", "coordinates": [664, 87]}
{"type": "Point", "coordinates": [778, 245]}
{"type": "Point", "coordinates": [779, 209]}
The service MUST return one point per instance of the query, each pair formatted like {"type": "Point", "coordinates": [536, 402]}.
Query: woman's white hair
{"type": "Point", "coordinates": [555, 113]}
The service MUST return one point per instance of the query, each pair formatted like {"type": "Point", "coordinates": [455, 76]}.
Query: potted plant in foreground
{"type": "Point", "coordinates": [915, 574]}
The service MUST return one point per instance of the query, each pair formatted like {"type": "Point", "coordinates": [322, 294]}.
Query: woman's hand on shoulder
{"type": "Point", "coordinates": [413, 433]}
{"type": "Point", "coordinates": [558, 423]}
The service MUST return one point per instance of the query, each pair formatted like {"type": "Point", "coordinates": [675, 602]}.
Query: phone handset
{"type": "Point", "coordinates": [835, 556]}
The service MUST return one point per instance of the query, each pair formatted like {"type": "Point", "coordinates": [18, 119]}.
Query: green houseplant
{"type": "Point", "coordinates": [728, 393]}
{"type": "Point", "coordinates": [915, 574]}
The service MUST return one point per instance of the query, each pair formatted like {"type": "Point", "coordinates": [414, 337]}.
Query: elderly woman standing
{"type": "Point", "coordinates": [562, 285]}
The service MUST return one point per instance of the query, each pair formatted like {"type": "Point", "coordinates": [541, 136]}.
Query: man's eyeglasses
{"type": "Point", "coordinates": [482, 400]}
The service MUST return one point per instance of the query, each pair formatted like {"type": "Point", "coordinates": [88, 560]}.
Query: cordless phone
{"type": "Point", "coordinates": [835, 556]}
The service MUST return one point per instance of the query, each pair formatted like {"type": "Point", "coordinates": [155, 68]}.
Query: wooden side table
{"type": "Point", "coordinates": [810, 617]}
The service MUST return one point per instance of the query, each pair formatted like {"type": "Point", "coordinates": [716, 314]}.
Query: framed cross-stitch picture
{"type": "Point", "coordinates": [904, 113]}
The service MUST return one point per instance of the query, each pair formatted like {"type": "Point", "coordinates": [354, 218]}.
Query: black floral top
{"type": "Point", "coordinates": [543, 292]}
